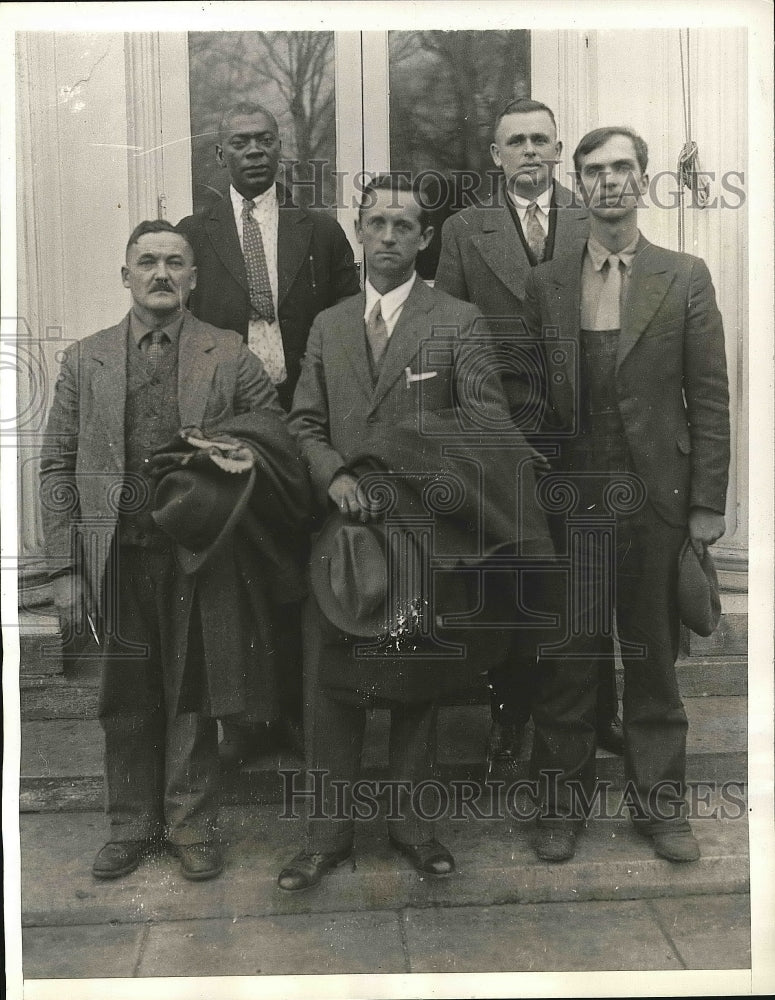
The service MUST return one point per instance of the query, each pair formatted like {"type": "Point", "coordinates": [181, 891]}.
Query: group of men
{"type": "Point", "coordinates": [253, 374]}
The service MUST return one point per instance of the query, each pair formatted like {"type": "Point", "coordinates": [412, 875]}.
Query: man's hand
{"type": "Point", "coordinates": [345, 494]}
{"type": "Point", "coordinates": [705, 528]}
{"type": "Point", "coordinates": [69, 595]}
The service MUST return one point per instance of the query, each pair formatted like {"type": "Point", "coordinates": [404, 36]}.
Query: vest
{"type": "Point", "coordinates": [151, 420]}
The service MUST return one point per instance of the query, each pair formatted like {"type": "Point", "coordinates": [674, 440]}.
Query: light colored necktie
{"type": "Point", "coordinates": [608, 316]}
{"type": "Point", "coordinates": [534, 232]}
{"type": "Point", "coordinates": [156, 347]}
{"type": "Point", "coordinates": [260, 287]}
{"type": "Point", "coordinates": [377, 333]}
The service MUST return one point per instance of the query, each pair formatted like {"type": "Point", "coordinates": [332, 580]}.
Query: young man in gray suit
{"type": "Point", "coordinates": [487, 254]}
{"type": "Point", "coordinates": [643, 414]}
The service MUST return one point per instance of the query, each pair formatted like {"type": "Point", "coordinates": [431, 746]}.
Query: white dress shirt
{"type": "Point", "coordinates": [543, 205]}
{"type": "Point", "coordinates": [392, 302]}
{"type": "Point", "coordinates": [260, 333]}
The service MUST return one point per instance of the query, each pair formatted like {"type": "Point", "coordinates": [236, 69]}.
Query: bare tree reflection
{"type": "Point", "coordinates": [446, 87]}
{"type": "Point", "coordinates": [292, 73]}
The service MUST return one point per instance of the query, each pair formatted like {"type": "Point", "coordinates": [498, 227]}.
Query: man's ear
{"type": "Point", "coordinates": [426, 237]}
{"type": "Point", "coordinates": [192, 279]}
{"type": "Point", "coordinates": [125, 276]}
{"type": "Point", "coordinates": [219, 155]}
{"type": "Point", "coordinates": [495, 153]}
{"type": "Point", "coordinates": [358, 231]}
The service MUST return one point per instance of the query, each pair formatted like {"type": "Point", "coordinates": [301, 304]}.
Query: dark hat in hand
{"type": "Point", "coordinates": [699, 604]}
{"type": "Point", "coordinates": [198, 505]}
{"type": "Point", "coordinates": [348, 573]}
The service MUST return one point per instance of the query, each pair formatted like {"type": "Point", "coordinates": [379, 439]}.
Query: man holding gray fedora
{"type": "Point", "coordinates": [389, 376]}
{"type": "Point", "coordinates": [137, 579]}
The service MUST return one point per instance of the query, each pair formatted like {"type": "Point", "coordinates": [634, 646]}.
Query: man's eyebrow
{"type": "Point", "coordinates": [523, 135]}
{"type": "Point", "coordinates": [247, 135]}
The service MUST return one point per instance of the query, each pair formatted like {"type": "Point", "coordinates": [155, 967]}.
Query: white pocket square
{"type": "Point", "coordinates": [420, 377]}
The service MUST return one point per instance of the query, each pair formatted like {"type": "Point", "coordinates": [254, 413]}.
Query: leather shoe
{"type": "Point", "coordinates": [119, 857]}
{"type": "Point", "coordinates": [678, 846]}
{"type": "Point", "coordinates": [555, 843]}
{"type": "Point", "coordinates": [308, 867]}
{"type": "Point", "coordinates": [430, 858]}
{"type": "Point", "coordinates": [198, 862]}
{"type": "Point", "coordinates": [611, 736]}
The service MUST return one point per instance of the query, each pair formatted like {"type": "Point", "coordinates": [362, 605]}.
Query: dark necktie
{"type": "Point", "coordinates": [156, 345]}
{"type": "Point", "coordinates": [534, 232]}
{"type": "Point", "coordinates": [260, 287]}
{"type": "Point", "coordinates": [377, 333]}
{"type": "Point", "coordinates": [608, 306]}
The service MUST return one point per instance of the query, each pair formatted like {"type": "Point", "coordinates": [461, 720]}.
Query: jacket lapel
{"type": "Point", "coordinates": [410, 330]}
{"type": "Point", "coordinates": [108, 386]}
{"type": "Point", "coordinates": [197, 362]}
{"type": "Point", "coordinates": [571, 224]}
{"type": "Point", "coordinates": [294, 235]}
{"type": "Point", "coordinates": [501, 248]}
{"type": "Point", "coordinates": [352, 342]}
{"type": "Point", "coordinates": [222, 231]}
{"type": "Point", "coordinates": [649, 281]}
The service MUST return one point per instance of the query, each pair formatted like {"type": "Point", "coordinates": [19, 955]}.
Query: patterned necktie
{"type": "Point", "coordinates": [377, 333]}
{"type": "Point", "coordinates": [608, 316]}
{"type": "Point", "coordinates": [534, 232]}
{"type": "Point", "coordinates": [156, 347]}
{"type": "Point", "coordinates": [260, 287]}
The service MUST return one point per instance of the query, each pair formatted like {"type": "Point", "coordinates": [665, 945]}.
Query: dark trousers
{"type": "Point", "coordinates": [161, 766]}
{"type": "Point", "coordinates": [514, 683]}
{"type": "Point", "coordinates": [644, 570]}
{"type": "Point", "coordinates": [334, 730]}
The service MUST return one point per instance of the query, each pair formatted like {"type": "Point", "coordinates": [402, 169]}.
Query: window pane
{"type": "Point", "coordinates": [446, 87]}
{"type": "Point", "coordinates": [291, 73]}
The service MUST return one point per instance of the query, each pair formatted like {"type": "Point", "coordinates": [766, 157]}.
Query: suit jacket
{"type": "Point", "coordinates": [671, 380]}
{"type": "Point", "coordinates": [82, 460]}
{"type": "Point", "coordinates": [341, 418]}
{"type": "Point", "coordinates": [483, 259]}
{"type": "Point", "coordinates": [315, 268]}
{"type": "Point", "coordinates": [336, 407]}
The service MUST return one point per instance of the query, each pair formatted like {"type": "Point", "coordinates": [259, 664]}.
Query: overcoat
{"type": "Point", "coordinates": [483, 260]}
{"type": "Point", "coordinates": [83, 455]}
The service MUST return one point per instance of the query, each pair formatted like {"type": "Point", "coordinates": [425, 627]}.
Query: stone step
{"type": "Point", "coordinates": [61, 762]}
{"type": "Point", "coordinates": [495, 865]}
{"type": "Point", "coordinates": [73, 695]}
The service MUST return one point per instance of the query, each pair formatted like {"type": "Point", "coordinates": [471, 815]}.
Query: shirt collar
{"type": "Point", "coordinates": [268, 198]}
{"type": "Point", "coordinates": [139, 328]}
{"type": "Point", "coordinates": [391, 301]}
{"type": "Point", "coordinates": [543, 200]}
{"type": "Point", "coordinates": [599, 254]}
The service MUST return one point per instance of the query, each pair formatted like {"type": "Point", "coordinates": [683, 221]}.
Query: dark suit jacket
{"type": "Point", "coordinates": [483, 259]}
{"type": "Point", "coordinates": [671, 380]}
{"type": "Point", "coordinates": [82, 460]}
{"type": "Point", "coordinates": [315, 267]}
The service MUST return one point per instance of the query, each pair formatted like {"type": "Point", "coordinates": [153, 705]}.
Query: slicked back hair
{"type": "Point", "coordinates": [397, 181]}
{"type": "Point", "coordinates": [599, 136]}
{"type": "Point", "coordinates": [523, 106]}
{"type": "Point", "coordinates": [154, 226]}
